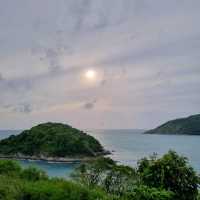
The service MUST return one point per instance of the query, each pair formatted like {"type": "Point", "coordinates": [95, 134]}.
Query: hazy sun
{"type": "Point", "coordinates": [90, 74]}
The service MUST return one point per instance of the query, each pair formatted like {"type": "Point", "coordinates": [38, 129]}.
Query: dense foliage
{"type": "Point", "coordinates": [169, 178]}
{"type": "Point", "coordinates": [170, 172]}
{"type": "Point", "coordinates": [189, 125]}
{"type": "Point", "coordinates": [166, 178]}
{"type": "Point", "coordinates": [34, 184]}
{"type": "Point", "coordinates": [104, 172]}
{"type": "Point", "coordinates": [51, 140]}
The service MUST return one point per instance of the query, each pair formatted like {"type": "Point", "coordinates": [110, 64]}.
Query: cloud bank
{"type": "Point", "coordinates": [145, 52]}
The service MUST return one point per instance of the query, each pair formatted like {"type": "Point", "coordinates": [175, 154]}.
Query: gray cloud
{"type": "Point", "coordinates": [23, 108]}
{"type": "Point", "coordinates": [1, 77]}
{"type": "Point", "coordinates": [80, 10]}
{"type": "Point", "coordinates": [103, 82]}
{"type": "Point", "coordinates": [89, 105]}
{"type": "Point", "coordinates": [16, 85]}
{"type": "Point", "coordinates": [147, 61]}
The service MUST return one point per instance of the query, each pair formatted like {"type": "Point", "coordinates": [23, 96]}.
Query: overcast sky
{"type": "Point", "coordinates": [145, 53]}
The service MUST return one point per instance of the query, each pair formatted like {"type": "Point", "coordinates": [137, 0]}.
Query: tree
{"type": "Point", "coordinates": [93, 172]}
{"type": "Point", "coordinates": [120, 179]}
{"type": "Point", "coordinates": [105, 173]}
{"type": "Point", "coordinates": [171, 172]}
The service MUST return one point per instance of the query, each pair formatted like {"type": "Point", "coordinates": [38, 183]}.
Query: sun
{"type": "Point", "coordinates": [90, 74]}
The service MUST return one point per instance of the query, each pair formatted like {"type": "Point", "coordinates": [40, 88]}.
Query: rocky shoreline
{"type": "Point", "coordinates": [52, 159]}
{"type": "Point", "coordinates": [46, 159]}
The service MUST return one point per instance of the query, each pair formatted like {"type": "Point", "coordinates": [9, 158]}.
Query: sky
{"type": "Point", "coordinates": [144, 56]}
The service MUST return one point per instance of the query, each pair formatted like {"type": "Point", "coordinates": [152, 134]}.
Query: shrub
{"type": "Point", "coordinates": [106, 174]}
{"type": "Point", "coordinates": [9, 167]}
{"type": "Point", "coordinates": [60, 190]}
{"type": "Point", "coordinates": [34, 184]}
{"type": "Point", "coordinates": [147, 193]}
{"type": "Point", "coordinates": [171, 172]}
{"type": "Point", "coordinates": [33, 174]}
{"type": "Point", "coordinates": [92, 172]}
{"type": "Point", "coordinates": [10, 188]}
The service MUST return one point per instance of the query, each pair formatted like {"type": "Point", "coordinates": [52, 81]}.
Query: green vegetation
{"type": "Point", "coordinates": [189, 125]}
{"type": "Point", "coordinates": [166, 178]}
{"type": "Point", "coordinates": [51, 140]}
{"type": "Point", "coordinates": [33, 184]}
{"type": "Point", "coordinates": [172, 173]}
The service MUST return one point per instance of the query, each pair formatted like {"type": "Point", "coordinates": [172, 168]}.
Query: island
{"type": "Point", "coordinates": [54, 142]}
{"type": "Point", "coordinates": [188, 126]}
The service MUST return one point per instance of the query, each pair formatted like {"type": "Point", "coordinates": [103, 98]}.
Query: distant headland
{"type": "Point", "coordinates": [187, 126]}
{"type": "Point", "coordinates": [54, 142]}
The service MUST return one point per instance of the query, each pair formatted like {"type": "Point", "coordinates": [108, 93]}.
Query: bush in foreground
{"type": "Point", "coordinates": [33, 174]}
{"type": "Point", "coordinates": [169, 177]}
{"type": "Point", "coordinates": [166, 178]}
{"type": "Point", "coordinates": [146, 193]}
{"type": "Point", "coordinates": [171, 172]}
{"type": "Point", "coordinates": [33, 184]}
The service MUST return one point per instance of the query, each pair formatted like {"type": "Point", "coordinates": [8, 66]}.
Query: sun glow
{"type": "Point", "coordinates": [90, 74]}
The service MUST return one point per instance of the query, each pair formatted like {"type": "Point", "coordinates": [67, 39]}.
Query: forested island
{"type": "Point", "coordinates": [52, 142]}
{"type": "Point", "coordinates": [188, 126]}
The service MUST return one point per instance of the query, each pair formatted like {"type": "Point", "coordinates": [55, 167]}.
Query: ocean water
{"type": "Point", "coordinates": [127, 147]}
{"type": "Point", "coordinates": [131, 145]}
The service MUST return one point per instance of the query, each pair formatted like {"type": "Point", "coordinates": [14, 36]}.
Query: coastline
{"type": "Point", "coordinates": [171, 133]}
{"type": "Point", "coordinates": [48, 159]}
{"type": "Point", "coordinates": [77, 159]}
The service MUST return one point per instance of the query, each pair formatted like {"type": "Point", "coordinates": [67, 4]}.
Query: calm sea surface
{"type": "Point", "coordinates": [128, 147]}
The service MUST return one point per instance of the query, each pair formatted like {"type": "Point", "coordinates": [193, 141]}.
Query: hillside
{"type": "Point", "coordinates": [189, 125]}
{"type": "Point", "coordinates": [169, 177]}
{"type": "Point", "coordinates": [50, 141]}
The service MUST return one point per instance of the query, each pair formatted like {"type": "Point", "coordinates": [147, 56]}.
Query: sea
{"type": "Point", "coordinates": [127, 147]}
